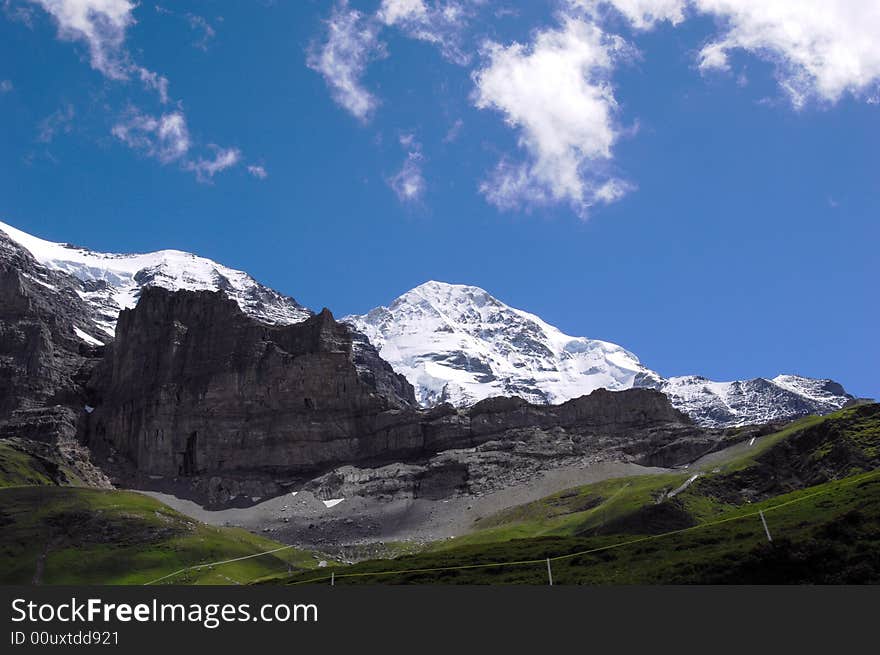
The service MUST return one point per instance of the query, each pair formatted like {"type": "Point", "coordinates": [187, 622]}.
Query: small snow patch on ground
{"type": "Point", "coordinates": [333, 502]}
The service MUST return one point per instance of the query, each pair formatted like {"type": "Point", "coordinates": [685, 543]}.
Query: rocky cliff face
{"type": "Point", "coordinates": [194, 392]}
{"type": "Point", "coordinates": [191, 384]}
{"type": "Point", "coordinates": [46, 354]}
{"type": "Point", "coordinates": [42, 357]}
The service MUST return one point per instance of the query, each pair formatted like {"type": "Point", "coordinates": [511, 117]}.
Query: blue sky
{"type": "Point", "coordinates": [696, 180]}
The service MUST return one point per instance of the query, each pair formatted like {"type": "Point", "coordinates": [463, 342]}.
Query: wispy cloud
{"type": "Point", "coordinates": [454, 131]}
{"type": "Point", "coordinates": [409, 182]}
{"type": "Point", "coordinates": [164, 137]}
{"type": "Point", "coordinates": [258, 172]}
{"type": "Point", "coordinates": [58, 122]}
{"type": "Point", "coordinates": [351, 41]}
{"type": "Point", "coordinates": [20, 11]}
{"type": "Point", "coordinates": [643, 14]}
{"type": "Point", "coordinates": [203, 29]}
{"type": "Point", "coordinates": [206, 168]}
{"type": "Point", "coordinates": [102, 26]}
{"type": "Point", "coordinates": [5, 86]}
{"type": "Point", "coordinates": [167, 139]}
{"type": "Point", "coordinates": [440, 22]}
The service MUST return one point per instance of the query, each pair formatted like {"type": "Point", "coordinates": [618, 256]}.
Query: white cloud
{"type": "Point", "coordinates": [164, 137]}
{"type": "Point", "coordinates": [5, 86]}
{"type": "Point", "coordinates": [154, 81]}
{"type": "Point", "coordinates": [258, 172]}
{"type": "Point", "coordinates": [204, 28]}
{"type": "Point", "coordinates": [557, 94]}
{"type": "Point", "coordinates": [395, 11]}
{"type": "Point", "coordinates": [198, 24]}
{"type": "Point", "coordinates": [101, 25]}
{"type": "Point", "coordinates": [352, 41]}
{"type": "Point", "coordinates": [223, 158]}
{"type": "Point", "coordinates": [409, 182]}
{"type": "Point", "coordinates": [17, 10]}
{"type": "Point", "coordinates": [58, 122]}
{"type": "Point", "coordinates": [822, 48]}
{"type": "Point", "coordinates": [408, 140]}
{"type": "Point", "coordinates": [643, 14]}
{"type": "Point", "coordinates": [440, 22]}
{"type": "Point", "coordinates": [167, 139]}
{"type": "Point", "coordinates": [454, 131]}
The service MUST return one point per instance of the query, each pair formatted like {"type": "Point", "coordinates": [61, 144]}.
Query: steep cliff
{"type": "Point", "coordinates": [45, 347]}
{"type": "Point", "coordinates": [47, 351]}
{"type": "Point", "coordinates": [196, 393]}
{"type": "Point", "coordinates": [192, 384]}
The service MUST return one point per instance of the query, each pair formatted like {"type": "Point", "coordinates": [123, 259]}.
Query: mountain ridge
{"type": "Point", "coordinates": [111, 282]}
{"type": "Point", "coordinates": [453, 343]}
{"type": "Point", "coordinates": [452, 349]}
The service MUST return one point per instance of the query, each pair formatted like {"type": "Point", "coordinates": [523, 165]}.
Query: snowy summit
{"type": "Point", "coordinates": [112, 282]}
{"type": "Point", "coordinates": [458, 344]}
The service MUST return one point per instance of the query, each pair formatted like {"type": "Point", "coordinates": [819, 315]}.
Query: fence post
{"type": "Point", "coordinates": [332, 578]}
{"type": "Point", "coordinates": [766, 529]}
{"type": "Point", "coordinates": [549, 572]}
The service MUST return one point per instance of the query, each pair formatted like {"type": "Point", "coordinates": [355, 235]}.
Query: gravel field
{"type": "Point", "coordinates": [349, 527]}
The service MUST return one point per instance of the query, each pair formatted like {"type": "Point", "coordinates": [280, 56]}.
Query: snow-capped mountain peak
{"type": "Point", "coordinates": [454, 343]}
{"type": "Point", "coordinates": [458, 344]}
{"type": "Point", "coordinates": [111, 282]}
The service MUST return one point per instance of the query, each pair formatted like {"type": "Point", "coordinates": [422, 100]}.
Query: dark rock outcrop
{"type": "Point", "coordinates": [44, 363]}
{"type": "Point", "coordinates": [194, 391]}
{"type": "Point", "coordinates": [193, 385]}
{"type": "Point", "coordinates": [42, 360]}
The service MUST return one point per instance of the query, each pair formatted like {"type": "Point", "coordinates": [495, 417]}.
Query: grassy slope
{"type": "Point", "coordinates": [830, 533]}
{"type": "Point", "coordinates": [19, 467]}
{"type": "Point", "coordinates": [89, 536]}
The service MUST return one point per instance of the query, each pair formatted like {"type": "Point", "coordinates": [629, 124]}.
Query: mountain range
{"type": "Point", "coordinates": [455, 344]}
{"type": "Point", "coordinates": [233, 404]}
